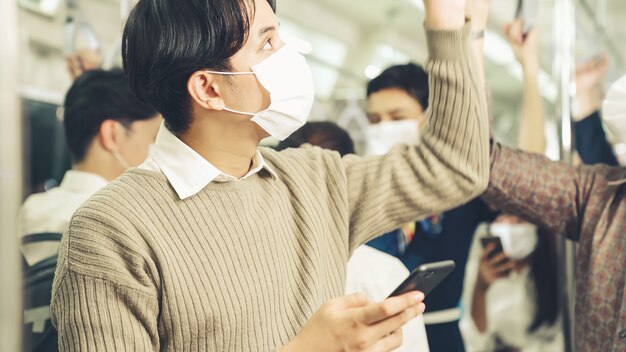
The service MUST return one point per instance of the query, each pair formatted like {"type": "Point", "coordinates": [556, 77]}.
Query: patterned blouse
{"type": "Point", "coordinates": [588, 205]}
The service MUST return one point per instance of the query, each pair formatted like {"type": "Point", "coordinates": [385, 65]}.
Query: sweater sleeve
{"type": "Point", "coordinates": [449, 166]}
{"type": "Point", "coordinates": [103, 296]}
{"type": "Point", "coordinates": [92, 314]}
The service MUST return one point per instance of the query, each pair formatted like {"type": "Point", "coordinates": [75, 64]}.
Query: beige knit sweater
{"type": "Point", "coordinates": [242, 266]}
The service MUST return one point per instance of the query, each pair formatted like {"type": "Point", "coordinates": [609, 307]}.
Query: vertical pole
{"type": "Point", "coordinates": [563, 66]}
{"type": "Point", "coordinates": [10, 180]}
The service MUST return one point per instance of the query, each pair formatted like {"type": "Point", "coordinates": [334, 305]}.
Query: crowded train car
{"type": "Point", "coordinates": [313, 175]}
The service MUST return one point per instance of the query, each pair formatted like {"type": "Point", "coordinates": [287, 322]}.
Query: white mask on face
{"type": "Point", "coordinates": [381, 137]}
{"type": "Point", "coordinates": [614, 110]}
{"type": "Point", "coordinates": [518, 240]}
{"type": "Point", "coordinates": [287, 77]}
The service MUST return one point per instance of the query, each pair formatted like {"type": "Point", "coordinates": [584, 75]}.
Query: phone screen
{"type": "Point", "coordinates": [485, 241]}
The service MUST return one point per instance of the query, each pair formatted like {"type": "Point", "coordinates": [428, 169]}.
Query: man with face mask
{"type": "Point", "coordinates": [396, 104]}
{"type": "Point", "coordinates": [107, 130]}
{"type": "Point", "coordinates": [216, 244]}
{"type": "Point", "coordinates": [396, 107]}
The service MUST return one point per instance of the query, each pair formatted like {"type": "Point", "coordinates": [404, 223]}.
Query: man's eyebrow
{"type": "Point", "coordinates": [396, 111]}
{"type": "Point", "coordinates": [266, 30]}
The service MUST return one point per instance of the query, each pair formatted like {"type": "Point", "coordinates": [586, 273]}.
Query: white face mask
{"type": "Point", "coordinates": [287, 77]}
{"type": "Point", "coordinates": [381, 137]}
{"type": "Point", "coordinates": [518, 240]}
{"type": "Point", "coordinates": [614, 110]}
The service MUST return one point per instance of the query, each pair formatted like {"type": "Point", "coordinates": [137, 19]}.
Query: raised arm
{"type": "Point", "coordinates": [450, 165]}
{"type": "Point", "coordinates": [565, 200]}
{"type": "Point", "coordinates": [532, 122]}
{"type": "Point", "coordinates": [591, 142]}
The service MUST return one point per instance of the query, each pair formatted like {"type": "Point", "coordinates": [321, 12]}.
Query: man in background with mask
{"type": "Point", "coordinates": [107, 129]}
{"type": "Point", "coordinates": [397, 101]}
{"type": "Point", "coordinates": [370, 271]}
{"type": "Point", "coordinates": [216, 244]}
{"type": "Point", "coordinates": [396, 107]}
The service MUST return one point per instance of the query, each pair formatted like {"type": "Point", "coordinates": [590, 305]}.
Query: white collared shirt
{"type": "Point", "coordinates": [377, 274]}
{"type": "Point", "coordinates": [52, 211]}
{"type": "Point", "coordinates": [186, 170]}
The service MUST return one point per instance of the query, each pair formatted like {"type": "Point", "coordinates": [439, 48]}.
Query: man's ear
{"type": "Point", "coordinates": [204, 89]}
{"type": "Point", "coordinates": [109, 135]}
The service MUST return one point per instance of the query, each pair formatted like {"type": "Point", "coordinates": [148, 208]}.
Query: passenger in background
{"type": "Point", "coordinates": [585, 204]}
{"type": "Point", "coordinates": [323, 134]}
{"type": "Point", "coordinates": [396, 107]}
{"type": "Point", "coordinates": [82, 61]}
{"type": "Point", "coordinates": [511, 298]}
{"type": "Point", "coordinates": [396, 102]}
{"type": "Point", "coordinates": [108, 130]}
{"type": "Point", "coordinates": [370, 271]}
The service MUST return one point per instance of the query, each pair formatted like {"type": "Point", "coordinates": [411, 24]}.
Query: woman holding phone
{"type": "Point", "coordinates": [511, 301]}
{"type": "Point", "coordinates": [510, 296]}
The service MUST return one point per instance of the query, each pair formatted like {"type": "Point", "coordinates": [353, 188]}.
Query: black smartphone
{"type": "Point", "coordinates": [528, 11]}
{"type": "Point", "coordinates": [425, 278]}
{"type": "Point", "coordinates": [485, 241]}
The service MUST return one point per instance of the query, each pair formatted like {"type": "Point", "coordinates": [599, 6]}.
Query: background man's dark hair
{"type": "Point", "coordinates": [165, 41]}
{"type": "Point", "coordinates": [94, 97]}
{"type": "Point", "coordinates": [324, 134]}
{"type": "Point", "coordinates": [410, 77]}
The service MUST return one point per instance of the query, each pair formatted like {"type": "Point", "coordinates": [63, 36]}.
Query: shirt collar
{"type": "Point", "coordinates": [186, 170]}
{"type": "Point", "coordinates": [82, 182]}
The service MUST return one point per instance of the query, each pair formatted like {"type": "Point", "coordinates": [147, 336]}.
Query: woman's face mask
{"type": "Point", "coordinates": [518, 240]}
{"type": "Point", "coordinates": [381, 137]}
{"type": "Point", "coordinates": [614, 110]}
{"type": "Point", "coordinates": [288, 79]}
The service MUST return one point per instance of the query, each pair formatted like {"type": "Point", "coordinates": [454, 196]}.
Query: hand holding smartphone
{"type": "Point", "coordinates": [494, 264]}
{"type": "Point", "coordinates": [425, 278]}
{"type": "Point", "coordinates": [485, 241]}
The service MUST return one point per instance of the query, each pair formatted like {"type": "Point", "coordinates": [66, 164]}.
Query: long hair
{"type": "Point", "coordinates": [544, 269]}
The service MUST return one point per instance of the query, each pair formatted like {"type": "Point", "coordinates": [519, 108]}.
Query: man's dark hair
{"type": "Point", "coordinates": [410, 77]}
{"type": "Point", "coordinates": [325, 134]}
{"type": "Point", "coordinates": [94, 97]}
{"type": "Point", "coordinates": [165, 41]}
